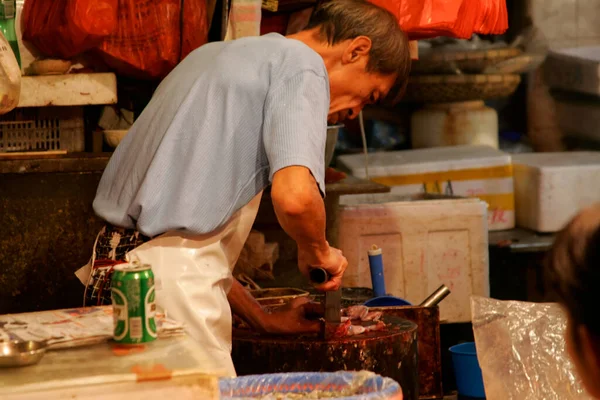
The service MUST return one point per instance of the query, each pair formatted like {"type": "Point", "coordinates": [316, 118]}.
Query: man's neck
{"type": "Point", "coordinates": [312, 39]}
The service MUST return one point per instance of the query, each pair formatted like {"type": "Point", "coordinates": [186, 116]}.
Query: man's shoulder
{"type": "Point", "coordinates": [290, 55]}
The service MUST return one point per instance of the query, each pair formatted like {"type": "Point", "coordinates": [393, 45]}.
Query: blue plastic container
{"type": "Point", "coordinates": [376, 267]}
{"type": "Point", "coordinates": [386, 301]}
{"type": "Point", "coordinates": [381, 299]}
{"type": "Point", "coordinates": [467, 371]}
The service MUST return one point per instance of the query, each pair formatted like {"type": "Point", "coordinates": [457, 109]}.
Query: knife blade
{"type": "Point", "coordinates": [332, 302]}
{"type": "Point", "coordinates": [333, 306]}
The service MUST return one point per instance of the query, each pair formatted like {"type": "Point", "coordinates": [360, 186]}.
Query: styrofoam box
{"type": "Point", "coordinates": [470, 171]}
{"type": "Point", "coordinates": [550, 188]}
{"type": "Point", "coordinates": [575, 69]}
{"type": "Point", "coordinates": [425, 243]}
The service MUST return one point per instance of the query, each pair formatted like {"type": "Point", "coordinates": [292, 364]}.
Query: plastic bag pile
{"type": "Point", "coordinates": [423, 19]}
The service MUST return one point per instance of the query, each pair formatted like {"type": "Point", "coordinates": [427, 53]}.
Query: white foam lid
{"type": "Point", "coordinates": [437, 159]}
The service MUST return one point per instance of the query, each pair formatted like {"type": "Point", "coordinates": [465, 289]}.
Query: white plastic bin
{"type": "Point", "coordinates": [469, 171]}
{"type": "Point", "coordinates": [425, 243]}
{"type": "Point", "coordinates": [550, 188]}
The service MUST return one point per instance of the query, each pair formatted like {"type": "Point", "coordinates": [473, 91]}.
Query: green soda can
{"type": "Point", "coordinates": [133, 304]}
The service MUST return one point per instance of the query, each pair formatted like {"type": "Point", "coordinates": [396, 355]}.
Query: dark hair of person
{"type": "Point", "coordinates": [340, 20]}
{"type": "Point", "coordinates": [572, 270]}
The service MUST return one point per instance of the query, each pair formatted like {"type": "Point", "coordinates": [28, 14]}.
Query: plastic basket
{"type": "Point", "coordinates": [42, 128]}
{"type": "Point", "coordinates": [356, 386]}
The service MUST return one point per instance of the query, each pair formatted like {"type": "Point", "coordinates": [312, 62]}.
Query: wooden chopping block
{"type": "Point", "coordinates": [391, 353]}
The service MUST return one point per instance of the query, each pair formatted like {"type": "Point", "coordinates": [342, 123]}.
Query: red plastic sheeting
{"type": "Point", "coordinates": [65, 28]}
{"type": "Point", "coordinates": [423, 19]}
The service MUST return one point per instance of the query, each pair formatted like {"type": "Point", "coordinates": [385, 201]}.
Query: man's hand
{"type": "Point", "coordinates": [331, 260]}
{"type": "Point", "coordinates": [288, 320]}
{"type": "Point", "coordinates": [291, 319]}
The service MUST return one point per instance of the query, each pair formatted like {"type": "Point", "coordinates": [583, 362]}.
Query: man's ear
{"type": "Point", "coordinates": [589, 346]}
{"type": "Point", "coordinates": [358, 48]}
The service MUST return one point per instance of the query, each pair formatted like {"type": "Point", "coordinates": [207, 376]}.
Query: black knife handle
{"type": "Point", "coordinates": [318, 275]}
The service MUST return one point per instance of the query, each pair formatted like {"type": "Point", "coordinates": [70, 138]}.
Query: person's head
{"type": "Point", "coordinates": [365, 52]}
{"type": "Point", "coordinates": [573, 274]}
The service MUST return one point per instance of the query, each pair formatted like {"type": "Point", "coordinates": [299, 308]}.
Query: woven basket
{"type": "Point", "coordinates": [452, 88]}
{"type": "Point", "coordinates": [449, 62]}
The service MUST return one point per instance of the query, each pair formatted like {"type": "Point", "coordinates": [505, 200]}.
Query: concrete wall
{"type": "Point", "coordinates": [567, 23]}
{"type": "Point", "coordinates": [48, 230]}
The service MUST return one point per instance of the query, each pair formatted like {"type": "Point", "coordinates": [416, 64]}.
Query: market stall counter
{"type": "Point", "coordinates": [82, 361]}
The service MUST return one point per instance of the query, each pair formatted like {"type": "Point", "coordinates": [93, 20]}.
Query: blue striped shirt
{"type": "Point", "coordinates": [218, 127]}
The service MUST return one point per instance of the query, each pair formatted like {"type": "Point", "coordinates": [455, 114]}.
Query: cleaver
{"type": "Point", "coordinates": [332, 303]}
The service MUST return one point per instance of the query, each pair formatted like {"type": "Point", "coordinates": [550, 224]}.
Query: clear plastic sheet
{"type": "Point", "coordinates": [361, 385]}
{"type": "Point", "coordinates": [521, 351]}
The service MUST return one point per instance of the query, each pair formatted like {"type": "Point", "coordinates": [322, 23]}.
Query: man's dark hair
{"type": "Point", "coordinates": [340, 20]}
{"type": "Point", "coordinates": [572, 271]}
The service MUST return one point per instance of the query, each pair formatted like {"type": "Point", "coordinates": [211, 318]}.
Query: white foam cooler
{"type": "Point", "coordinates": [550, 188]}
{"type": "Point", "coordinates": [424, 242]}
{"type": "Point", "coordinates": [470, 171]}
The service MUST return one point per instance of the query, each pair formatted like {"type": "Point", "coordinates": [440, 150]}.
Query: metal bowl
{"type": "Point", "coordinates": [18, 353]}
{"type": "Point", "coordinates": [277, 296]}
{"type": "Point", "coordinates": [332, 136]}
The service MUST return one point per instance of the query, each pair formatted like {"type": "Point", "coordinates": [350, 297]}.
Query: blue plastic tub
{"type": "Point", "coordinates": [386, 301]}
{"type": "Point", "coordinates": [375, 387]}
{"type": "Point", "coordinates": [467, 371]}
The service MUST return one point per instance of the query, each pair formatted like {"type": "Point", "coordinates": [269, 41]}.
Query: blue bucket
{"type": "Point", "coordinates": [467, 371]}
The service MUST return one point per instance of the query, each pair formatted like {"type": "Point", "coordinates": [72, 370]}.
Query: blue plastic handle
{"type": "Point", "coordinates": [377, 278]}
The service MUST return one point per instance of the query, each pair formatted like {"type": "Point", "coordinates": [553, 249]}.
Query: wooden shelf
{"type": "Point", "coordinates": [68, 90]}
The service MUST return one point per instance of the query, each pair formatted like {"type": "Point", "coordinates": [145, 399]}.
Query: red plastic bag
{"type": "Point", "coordinates": [423, 19]}
{"type": "Point", "coordinates": [153, 36]}
{"type": "Point", "coordinates": [65, 28]}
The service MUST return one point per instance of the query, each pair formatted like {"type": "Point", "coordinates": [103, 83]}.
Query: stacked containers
{"type": "Point", "coordinates": [470, 171]}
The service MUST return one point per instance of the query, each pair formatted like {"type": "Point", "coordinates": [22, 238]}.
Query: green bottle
{"type": "Point", "coordinates": [8, 12]}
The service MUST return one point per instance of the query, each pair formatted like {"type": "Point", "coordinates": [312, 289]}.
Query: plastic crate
{"type": "Point", "coordinates": [42, 128]}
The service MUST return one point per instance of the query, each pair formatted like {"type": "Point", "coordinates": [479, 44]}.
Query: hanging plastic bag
{"type": "Point", "coordinates": [66, 28]}
{"type": "Point", "coordinates": [424, 19]}
{"type": "Point", "coordinates": [152, 36]}
{"type": "Point", "coordinates": [10, 77]}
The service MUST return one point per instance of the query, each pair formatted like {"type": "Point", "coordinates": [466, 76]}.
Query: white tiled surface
{"type": "Point", "coordinates": [568, 23]}
{"type": "Point", "coordinates": [556, 18]}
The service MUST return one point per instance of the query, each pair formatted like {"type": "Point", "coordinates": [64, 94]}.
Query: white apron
{"type": "Point", "coordinates": [193, 276]}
